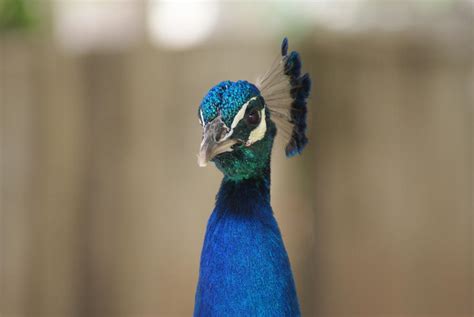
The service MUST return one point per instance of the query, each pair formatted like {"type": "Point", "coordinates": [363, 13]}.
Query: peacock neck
{"type": "Point", "coordinates": [245, 196]}
{"type": "Point", "coordinates": [245, 269]}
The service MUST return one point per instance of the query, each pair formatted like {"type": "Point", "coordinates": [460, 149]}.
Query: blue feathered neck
{"type": "Point", "coordinates": [245, 269]}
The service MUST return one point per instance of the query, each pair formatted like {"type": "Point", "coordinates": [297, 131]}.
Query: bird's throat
{"type": "Point", "coordinates": [246, 195]}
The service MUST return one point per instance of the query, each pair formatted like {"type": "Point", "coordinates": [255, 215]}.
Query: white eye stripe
{"type": "Point", "coordinates": [240, 115]}
{"type": "Point", "coordinates": [259, 132]}
{"type": "Point", "coordinates": [202, 117]}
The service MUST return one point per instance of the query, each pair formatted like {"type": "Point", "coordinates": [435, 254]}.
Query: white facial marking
{"type": "Point", "coordinates": [259, 132]}
{"type": "Point", "coordinates": [202, 117]}
{"type": "Point", "coordinates": [239, 116]}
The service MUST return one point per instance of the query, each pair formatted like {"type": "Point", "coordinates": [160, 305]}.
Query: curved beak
{"type": "Point", "coordinates": [215, 140]}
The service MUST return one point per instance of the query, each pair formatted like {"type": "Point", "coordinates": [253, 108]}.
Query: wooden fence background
{"type": "Point", "coordinates": [103, 207]}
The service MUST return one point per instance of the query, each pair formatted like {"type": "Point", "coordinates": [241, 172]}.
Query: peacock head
{"type": "Point", "coordinates": [238, 133]}
{"type": "Point", "coordinates": [240, 120]}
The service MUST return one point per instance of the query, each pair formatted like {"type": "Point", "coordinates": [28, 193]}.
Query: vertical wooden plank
{"type": "Point", "coordinates": [16, 168]}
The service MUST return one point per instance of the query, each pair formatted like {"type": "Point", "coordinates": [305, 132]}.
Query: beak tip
{"type": "Point", "coordinates": [202, 162]}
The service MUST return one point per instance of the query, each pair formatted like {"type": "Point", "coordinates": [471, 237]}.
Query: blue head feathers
{"type": "Point", "coordinates": [226, 99]}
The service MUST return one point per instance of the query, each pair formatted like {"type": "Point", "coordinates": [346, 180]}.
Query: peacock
{"type": "Point", "coordinates": [244, 267]}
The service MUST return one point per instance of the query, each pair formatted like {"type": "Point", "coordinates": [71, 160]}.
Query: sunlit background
{"type": "Point", "coordinates": [103, 206]}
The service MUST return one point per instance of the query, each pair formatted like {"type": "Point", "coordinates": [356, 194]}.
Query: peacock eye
{"type": "Point", "coordinates": [253, 117]}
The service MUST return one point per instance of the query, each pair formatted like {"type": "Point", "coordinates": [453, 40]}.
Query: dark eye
{"type": "Point", "coordinates": [253, 117]}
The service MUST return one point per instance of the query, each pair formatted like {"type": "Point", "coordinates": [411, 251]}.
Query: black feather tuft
{"type": "Point", "coordinates": [284, 47]}
{"type": "Point", "coordinates": [300, 88]}
{"type": "Point", "coordinates": [293, 65]}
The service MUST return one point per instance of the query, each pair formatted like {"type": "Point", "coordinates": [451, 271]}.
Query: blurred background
{"type": "Point", "coordinates": [103, 206]}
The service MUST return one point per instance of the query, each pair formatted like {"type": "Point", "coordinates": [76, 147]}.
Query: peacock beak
{"type": "Point", "coordinates": [215, 140]}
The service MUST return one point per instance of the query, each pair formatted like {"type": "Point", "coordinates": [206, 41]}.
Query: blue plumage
{"type": "Point", "coordinates": [245, 270]}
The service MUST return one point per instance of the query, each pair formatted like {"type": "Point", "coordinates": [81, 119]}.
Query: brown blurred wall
{"type": "Point", "coordinates": [103, 207]}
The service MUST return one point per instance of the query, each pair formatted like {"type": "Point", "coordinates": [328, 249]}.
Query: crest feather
{"type": "Point", "coordinates": [285, 92]}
